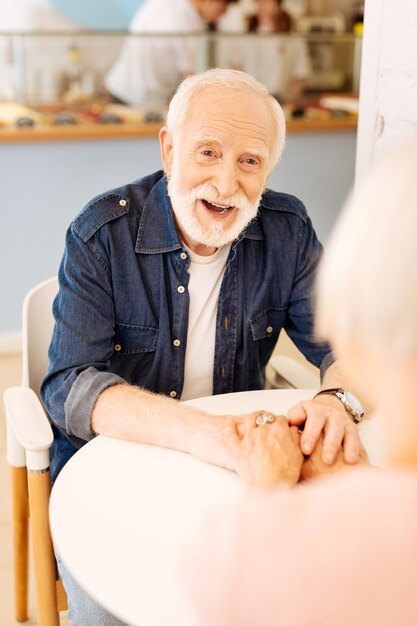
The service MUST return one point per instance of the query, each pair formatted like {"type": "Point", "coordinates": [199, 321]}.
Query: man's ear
{"type": "Point", "coordinates": [166, 145]}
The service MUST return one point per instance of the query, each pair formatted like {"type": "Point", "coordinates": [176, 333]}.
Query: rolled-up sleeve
{"type": "Point", "coordinates": [81, 400]}
{"type": "Point", "coordinates": [83, 338]}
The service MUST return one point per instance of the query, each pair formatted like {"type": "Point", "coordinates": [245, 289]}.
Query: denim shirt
{"type": "Point", "coordinates": [119, 311]}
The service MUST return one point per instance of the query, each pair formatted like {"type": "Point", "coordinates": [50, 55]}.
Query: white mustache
{"type": "Point", "coordinates": [207, 192]}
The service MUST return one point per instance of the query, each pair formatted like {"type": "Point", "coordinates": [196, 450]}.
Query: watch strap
{"type": "Point", "coordinates": [341, 394]}
{"type": "Point", "coordinates": [331, 392]}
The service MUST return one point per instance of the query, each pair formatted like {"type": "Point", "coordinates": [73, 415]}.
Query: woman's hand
{"type": "Point", "coordinates": [268, 454]}
{"type": "Point", "coordinates": [314, 465]}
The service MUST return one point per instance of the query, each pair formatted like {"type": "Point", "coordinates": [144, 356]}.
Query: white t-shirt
{"type": "Point", "coordinates": [206, 275]}
{"type": "Point", "coordinates": [149, 69]}
{"type": "Point", "coordinates": [275, 60]}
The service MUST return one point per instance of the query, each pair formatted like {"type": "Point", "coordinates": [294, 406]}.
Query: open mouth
{"type": "Point", "coordinates": [220, 209]}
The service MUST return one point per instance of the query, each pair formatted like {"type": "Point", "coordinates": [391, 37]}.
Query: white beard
{"type": "Point", "coordinates": [215, 234]}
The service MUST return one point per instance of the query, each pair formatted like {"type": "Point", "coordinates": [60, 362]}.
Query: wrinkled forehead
{"type": "Point", "coordinates": [239, 112]}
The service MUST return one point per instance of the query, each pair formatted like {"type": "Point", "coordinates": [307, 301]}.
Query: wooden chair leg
{"type": "Point", "coordinates": [45, 566]}
{"type": "Point", "coordinates": [61, 596]}
{"type": "Point", "coordinates": [20, 522]}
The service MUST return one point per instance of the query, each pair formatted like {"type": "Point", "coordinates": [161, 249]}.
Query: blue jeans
{"type": "Point", "coordinates": [82, 609]}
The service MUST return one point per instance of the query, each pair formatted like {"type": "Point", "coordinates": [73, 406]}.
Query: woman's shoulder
{"type": "Point", "coordinates": [339, 550]}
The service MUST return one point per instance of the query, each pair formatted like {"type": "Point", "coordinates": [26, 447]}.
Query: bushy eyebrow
{"type": "Point", "coordinates": [209, 140]}
{"type": "Point", "coordinates": [206, 139]}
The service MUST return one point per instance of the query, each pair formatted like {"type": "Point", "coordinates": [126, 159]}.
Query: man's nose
{"type": "Point", "coordinates": [226, 179]}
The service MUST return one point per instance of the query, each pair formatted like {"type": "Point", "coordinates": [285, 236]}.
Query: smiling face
{"type": "Point", "coordinates": [218, 165]}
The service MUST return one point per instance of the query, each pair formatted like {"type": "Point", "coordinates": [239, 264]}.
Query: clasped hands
{"type": "Point", "coordinates": [317, 437]}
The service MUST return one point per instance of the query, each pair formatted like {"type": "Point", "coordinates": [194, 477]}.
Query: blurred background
{"type": "Point", "coordinates": [84, 89]}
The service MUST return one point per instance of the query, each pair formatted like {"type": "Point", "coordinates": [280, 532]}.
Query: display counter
{"type": "Point", "coordinates": [127, 131]}
{"type": "Point", "coordinates": [50, 171]}
{"type": "Point", "coordinates": [91, 85]}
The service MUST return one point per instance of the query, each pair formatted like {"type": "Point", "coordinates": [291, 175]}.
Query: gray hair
{"type": "Point", "coordinates": [233, 80]}
{"type": "Point", "coordinates": [367, 287]}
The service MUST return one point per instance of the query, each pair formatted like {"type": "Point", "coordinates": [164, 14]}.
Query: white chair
{"type": "Point", "coordinates": [284, 372]}
{"type": "Point", "coordinates": [29, 437]}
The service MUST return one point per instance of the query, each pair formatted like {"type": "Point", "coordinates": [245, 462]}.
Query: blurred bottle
{"type": "Point", "coordinates": [357, 19]}
{"type": "Point", "coordinates": [79, 79]}
{"type": "Point", "coordinates": [73, 69]}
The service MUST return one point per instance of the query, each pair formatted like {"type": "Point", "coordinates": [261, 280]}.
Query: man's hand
{"type": "Point", "coordinates": [268, 454]}
{"type": "Point", "coordinates": [313, 465]}
{"type": "Point", "coordinates": [326, 415]}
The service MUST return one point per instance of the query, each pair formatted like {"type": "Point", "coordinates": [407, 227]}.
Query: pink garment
{"type": "Point", "coordinates": [340, 551]}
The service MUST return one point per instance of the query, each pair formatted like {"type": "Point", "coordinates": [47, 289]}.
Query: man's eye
{"type": "Point", "coordinates": [207, 153]}
{"type": "Point", "coordinates": [251, 161]}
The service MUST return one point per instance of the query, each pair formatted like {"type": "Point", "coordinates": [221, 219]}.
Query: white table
{"type": "Point", "coordinates": [121, 513]}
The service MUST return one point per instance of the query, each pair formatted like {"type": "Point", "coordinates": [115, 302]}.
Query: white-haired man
{"type": "Point", "coordinates": [178, 285]}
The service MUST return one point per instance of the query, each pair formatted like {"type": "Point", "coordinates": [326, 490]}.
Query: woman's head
{"type": "Point", "coordinates": [367, 287]}
{"type": "Point", "coordinates": [268, 8]}
{"type": "Point", "coordinates": [211, 10]}
{"type": "Point", "coordinates": [269, 16]}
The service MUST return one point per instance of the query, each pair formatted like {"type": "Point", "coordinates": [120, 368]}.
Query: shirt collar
{"type": "Point", "coordinates": [157, 228]}
{"type": "Point", "coordinates": [158, 232]}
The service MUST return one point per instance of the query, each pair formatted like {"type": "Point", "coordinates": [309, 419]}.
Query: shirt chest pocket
{"type": "Point", "coordinates": [268, 324]}
{"type": "Point", "coordinates": [133, 339]}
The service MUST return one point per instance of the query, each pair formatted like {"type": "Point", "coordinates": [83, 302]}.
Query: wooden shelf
{"type": "Point", "coordinates": [335, 124]}
{"type": "Point", "coordinates": [78, 132]}
{"type": "Point", "coordinates": [133, 131]}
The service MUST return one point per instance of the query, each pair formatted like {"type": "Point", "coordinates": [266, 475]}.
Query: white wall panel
{"type": "Point", "coordinates": [388, 92]}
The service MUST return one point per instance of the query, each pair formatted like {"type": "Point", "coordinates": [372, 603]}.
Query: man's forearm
{"type": "Point", "coordinates": [134, 414]}
{"type": "Point", "coordinates": [336, 376]}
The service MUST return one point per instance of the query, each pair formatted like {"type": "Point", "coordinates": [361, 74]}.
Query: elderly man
{"type": "Point", "coordinates": [178, 285]}
{"type": "Point", "coordinates": [149, 67]}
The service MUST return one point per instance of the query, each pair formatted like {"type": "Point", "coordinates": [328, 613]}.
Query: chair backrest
{"type": "Point", "coordinates": [37, 326]}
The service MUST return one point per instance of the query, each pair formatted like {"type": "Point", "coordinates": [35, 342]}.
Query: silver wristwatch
{"type": "Point", "coordinates": [351, 403]}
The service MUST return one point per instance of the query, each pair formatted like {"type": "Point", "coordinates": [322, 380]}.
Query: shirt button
{"type": "Point", "coordinates": [176, 342]}
{"type": "Point", "coordinates": [180, 289]}
{"type": "Point", "coordinates": [269, 329]}
{"type": "Point", "coordinates": [117, 347]}
{"type": "Point", "coordinates": [173, 394]}
{"type": "Point", "coordinates": [183, 255]}
{"type": "Point", "coordinates": [122, 202]}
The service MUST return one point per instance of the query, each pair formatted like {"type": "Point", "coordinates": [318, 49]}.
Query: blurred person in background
{"type": "Point", "coordinates": [281, 63]}
{"type": "Point", "coordinates": [150, 68]}
{"type": "Point", "coordinates": [43, 56]}
{"type": "Point", "coordinates": [269, 18]}
{"type": "Point", "coordinates": [342, 549]}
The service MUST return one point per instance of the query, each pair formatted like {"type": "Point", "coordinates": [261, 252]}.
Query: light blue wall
{"type": "Point", "coordinates": [45, 185]}
{"type": "Point", "coordinates": [99, 14]}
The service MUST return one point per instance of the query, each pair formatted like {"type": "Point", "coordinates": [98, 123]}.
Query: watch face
{"type": "Point", "coordinates": [354, 402]}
